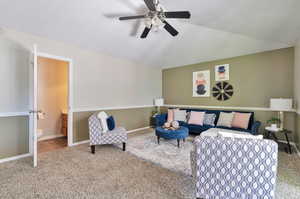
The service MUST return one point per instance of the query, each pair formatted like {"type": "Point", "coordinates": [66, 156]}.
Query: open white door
{"type": "Point", "coordinates": [33, 106]}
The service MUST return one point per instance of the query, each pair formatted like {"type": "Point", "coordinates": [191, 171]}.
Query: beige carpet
{"type": "Point", "coordinates": [110, 173]}
{"type": "Point", "coordinates": [167, 155]}
{"type": "Point", "coordinates": [76, 173]}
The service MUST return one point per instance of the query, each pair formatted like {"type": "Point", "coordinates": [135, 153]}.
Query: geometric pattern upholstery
{"type": "Point", "coordinates": [97, 137]}
{"type": "Point", "coordinates": [234, 168]}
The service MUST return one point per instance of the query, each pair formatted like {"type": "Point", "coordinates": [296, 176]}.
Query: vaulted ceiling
{"type": "Point", "coordinates": [218, 28]}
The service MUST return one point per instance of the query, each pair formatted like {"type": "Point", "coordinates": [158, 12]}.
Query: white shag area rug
{"type": "Point", "coordinates": [166, 154]}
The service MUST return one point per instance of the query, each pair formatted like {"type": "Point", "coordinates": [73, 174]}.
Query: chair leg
{"type": "Point", "coordinates": [178, 143]}
{"type": "Point", "coordinates": [93, 147]}
{"type": "Point", "coordinates": [124, 146]}
{"type": "Point", "coordinates": [158, 139]}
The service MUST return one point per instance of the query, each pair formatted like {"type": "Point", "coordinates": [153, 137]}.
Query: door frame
{"type": "Point", "coordinates": [70, 92]}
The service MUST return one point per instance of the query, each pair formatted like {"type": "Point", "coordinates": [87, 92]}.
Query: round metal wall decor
{"type": "Point", "coordinates": [222, 91]}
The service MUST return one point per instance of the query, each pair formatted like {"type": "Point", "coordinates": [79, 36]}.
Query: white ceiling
{"type": "Point", "coordinates": [218, 29]}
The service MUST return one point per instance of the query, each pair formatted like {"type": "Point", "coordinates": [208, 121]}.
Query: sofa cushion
{"type": "Point", "coordinates": [225, 119]}
{"type": "Point", "coordinates": [241, 120]}
{"type": "Point", "coordinates": [197, 128]}
{"type": "Point", "coordinates": [196, 118]}
{"type": "Point", "coordinates": [209, 119]}
{"type": "Point", "coordinates": [179, 115]}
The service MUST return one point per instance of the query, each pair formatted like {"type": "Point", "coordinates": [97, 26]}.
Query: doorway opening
{"type": "Point", "coordinates": [52, 103]}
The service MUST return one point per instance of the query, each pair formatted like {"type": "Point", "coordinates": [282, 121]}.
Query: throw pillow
{"type": "Point", "coordinates": [170, 115]}
{"type": "Point", "coordinates": [209, 119]}
{"type": "Point", "coordinates": [239, 135]}
{"type": "Point", "coordinates": [111, 123]}
{"type": "Point", "coordinates": [175, 124]}
{"type": "Point", "coordinates": [102, 116]}
{"type": "Point", "coordinates": [225, 119]}
{"type": "Point", "coordinates": [241, 120]}
{"type": "Point", "coordinates": [196, 118]}
{"type": "Point", "coordinates": [179, 115]}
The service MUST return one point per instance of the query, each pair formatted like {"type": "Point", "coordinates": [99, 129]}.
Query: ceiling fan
{"type": "Point", "coordinates": [156, 17]}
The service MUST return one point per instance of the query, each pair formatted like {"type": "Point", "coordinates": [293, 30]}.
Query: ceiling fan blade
{"type": "Point", "coordinates": [145, 32]}
{"type": "Point", "coordinates": [150, 4]}
{"type": "Point", "coordinates": [170, 29]}
{"type": "Point", "coordinates": [132, 17]}
{"type": "Point", "coordinates": [178, 14]}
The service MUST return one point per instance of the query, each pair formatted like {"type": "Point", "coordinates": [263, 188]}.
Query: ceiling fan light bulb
{"type": "Point", "coordinates": [148, 22]}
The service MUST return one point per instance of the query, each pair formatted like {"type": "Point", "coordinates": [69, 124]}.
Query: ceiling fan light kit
{"type": "Point", "coordinates": [156, 18]}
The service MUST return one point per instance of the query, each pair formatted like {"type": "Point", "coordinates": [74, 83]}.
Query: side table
{"type": "Point", "coordinates": [271, 133]}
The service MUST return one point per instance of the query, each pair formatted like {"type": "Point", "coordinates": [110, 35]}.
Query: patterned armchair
{"type": "Point", "coordinates": [97, 137]}
{"type": "Point", "coordinates": [234, 168]}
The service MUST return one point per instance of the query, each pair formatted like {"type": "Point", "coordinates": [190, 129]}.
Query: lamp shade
{"type": "Point", "coordinates": [280, 104]}
{"type": "Point", "coordinates": [159, 102]}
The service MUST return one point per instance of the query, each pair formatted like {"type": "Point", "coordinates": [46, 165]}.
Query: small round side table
{"type": "Point", "coordinates": [271, 133]}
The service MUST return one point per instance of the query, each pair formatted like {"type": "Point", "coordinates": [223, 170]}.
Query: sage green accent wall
{"type": "Point", "coordinates": [256, 78]}
{"type": "Point", "coordinates": [297, 130]}
{"type": "Point", "coordinates": [128, 118]}
{"type": "Point", "coordinates": [14, 136]}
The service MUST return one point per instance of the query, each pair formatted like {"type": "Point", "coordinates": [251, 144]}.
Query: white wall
{"type": "Point", "coordinates": [99, 79]}
{"type": "Point", "coordinates": [297, 76]}
{"type": "Point", "coordinates": [14, 63]}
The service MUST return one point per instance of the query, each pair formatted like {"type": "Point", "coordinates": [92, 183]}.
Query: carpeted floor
{"type": "Point", "coordinates": [110, 173]}
{"type": "Point", "coordinates": [167, 155]}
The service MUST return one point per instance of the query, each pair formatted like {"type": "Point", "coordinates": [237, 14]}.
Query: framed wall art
{"type": "Point", "coordinates": [222, 72]}
{"type": "Point", "coordinates": [201, 83]}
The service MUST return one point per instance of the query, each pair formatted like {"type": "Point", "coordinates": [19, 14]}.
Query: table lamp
{"type": "Point", "coordinates": [281, 105]}
{"type": "Point", "coordinates": [158, 103]}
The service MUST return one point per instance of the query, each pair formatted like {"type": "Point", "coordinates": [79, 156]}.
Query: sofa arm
{"type": "Point", "coordinates": [161, 119]}
{"type": "Point", "coordinates": [255, 127]}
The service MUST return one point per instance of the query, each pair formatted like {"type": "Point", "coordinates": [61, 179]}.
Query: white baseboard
{"type": "Point", "coordinates": [81, 142]}
{"type": "Point", "coordinates": [50, 137]}
{"type": "Point", "coordinates": [139, 129]}
{"type": "Point", "coordinates": [131, 131]}
{"type": "Point", "coordinates": [15, 158]}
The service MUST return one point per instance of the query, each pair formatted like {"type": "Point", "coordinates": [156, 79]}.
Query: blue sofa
{"type": "Point", "coordinates": [197, 129]}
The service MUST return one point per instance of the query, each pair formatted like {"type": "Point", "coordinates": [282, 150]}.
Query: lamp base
{"type": "Point", "coordinates": [281, 117]}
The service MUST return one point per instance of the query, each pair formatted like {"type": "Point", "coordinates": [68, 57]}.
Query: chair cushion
{"type": "Point", "coordinates": [225, 119]}
{"type": "Point", "coordinates": [111, 123]}
{"type": "Point", "coordinates": [234, 128]}
{"type": "Point", "coordinates": [241, 120]}
{"type": "Point", "coordinates": [239, 135]}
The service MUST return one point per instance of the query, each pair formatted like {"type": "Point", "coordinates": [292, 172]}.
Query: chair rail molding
{"type": "Point", "coordinates": [226, 107]}
{"type": "Point", "coordinates": [13, 114]}
{"type": "Point", "coordinates": [87, 109]}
